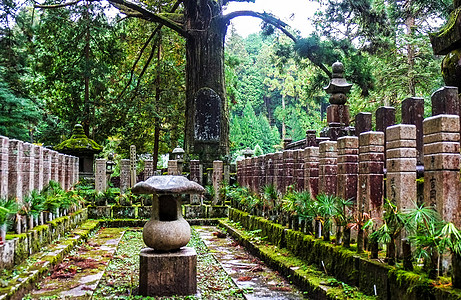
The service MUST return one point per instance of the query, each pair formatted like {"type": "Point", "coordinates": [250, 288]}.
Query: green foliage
{"type": "Point", "coordinates": [8, 207]}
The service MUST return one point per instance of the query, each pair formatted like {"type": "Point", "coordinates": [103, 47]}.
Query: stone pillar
{"type": "Point", "coordinates": [311, 170]}
{"type": "Point", "coordinates": [371, 173]}
{"type": "Point", "coordinates": [173, 167]}
{"type": "Point", "coordinates": [441, 166]}
{"type": "Point", "coordinates": [270, 169]}
{"type": "Point", "coordinates": [61, 170]}
{"type": "Point", "coordinates": [288, 169]}
{"type": "Point", "coordinates": [196, 175]}
{"type": "Point", "coordinates": [14, 169]}
{"type": "Point", "coordinates": [256, 174]}
{"type": "Point", "coordinates": [262, 172]}
{"type": "Point", "coordinates": [54, 166]}
{"type": "Point", "coordinates": [385, 117]}
{"type": "Point", "coordinates": [348, 168]}
{"type": "Point", "coordinates": [311, 138]}
{"type": "Point", "coordinates": [100, 183]}
{"type": "Point", "coordinates": [279, 172]}
{"type": "Point", "coordinates": [76, 168]}
{"type": "Point", "coordinates": [125, 179]}
{"type": "Point", "coordinates": [4, 147]}
{"type": "Point", "coordinates": [445, 101]}
{"type": "Point", "coordinates": [218, 170]}
{"type": "Point", "coordinates": [363, 123]}
{"type": "Point", "coordinates": [299, 169]}
{"type": "Point", "coordinates": [413, 113]}
{"type": "Point", "coordinates": [46, 166]}
{"type": "Point", "coordinates": [401, 165]}
{"type": "Point", "coordinates": [148, 168]}
{"type": "Point", "coordinates": [328, 156]}
{"type": "Point", "coordinates": [133, 165]}
{"type": "Point", "coordinates": [28, 169]}
{"type": "Point", "coordinates": [38, 168]}
{"type": "Point", "coordinates": [68, 174]}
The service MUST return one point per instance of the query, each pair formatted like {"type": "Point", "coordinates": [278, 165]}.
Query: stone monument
{"type": "Point", "coordinates": [167, 267]}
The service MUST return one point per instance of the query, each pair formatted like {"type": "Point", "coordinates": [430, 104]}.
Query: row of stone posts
{"type": "Point", "coordinates": [25, 167]}
{"type": "Point", "coordinates": [354, 167]}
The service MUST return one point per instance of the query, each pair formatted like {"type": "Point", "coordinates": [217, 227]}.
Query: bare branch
{"type": "Point", "coordinates": [135, 10]}
{"type": "Point", "coordinates": [57, 5]}
{"type": "Point", "coordinates": [263, 16]}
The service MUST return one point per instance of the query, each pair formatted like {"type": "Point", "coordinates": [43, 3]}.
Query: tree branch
{"type": "Point", "coordinates": [137, 11]}
{"type": "Point", "coordinates": [57, 5]}
{"type": "Point", "coordinates": [263, 16]}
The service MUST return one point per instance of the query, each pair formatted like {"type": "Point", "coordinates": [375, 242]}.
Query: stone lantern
{"type": "Point", "coordinates": [110, 166]}
{"type": "Point", "coordinates": [178, 155]}
{"type": "Point", "coordinates": [167, 267]}
{"type": "Point", "coordinates": [337, 111]}
{"type": "Point", "coordinates": [248, 153]}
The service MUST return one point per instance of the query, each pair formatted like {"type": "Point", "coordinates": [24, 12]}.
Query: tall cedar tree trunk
{"type": "Point", "coordinates": [157, 102]}
{"type": "Point", "coordinates": [409, 24]}
{"type": "Point", "coordinates": [205, 68]}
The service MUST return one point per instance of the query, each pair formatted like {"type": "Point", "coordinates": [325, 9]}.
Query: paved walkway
{"type": "Point", "coordinates": [248, 272]}
{"type": "Point", "coordinates": [78, 275]}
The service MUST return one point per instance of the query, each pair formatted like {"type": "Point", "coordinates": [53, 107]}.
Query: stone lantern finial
{"type": "Point", "coordinates": [338, 86]}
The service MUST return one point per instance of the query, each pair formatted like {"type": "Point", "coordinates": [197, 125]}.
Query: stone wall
{"type": "Point", "coordinates": [25, 167]}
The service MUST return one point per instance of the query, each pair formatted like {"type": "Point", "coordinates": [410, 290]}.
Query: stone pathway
{"type": "Point", "coordinates": [248, 272]}
{"type": "Point", "coordinates": [78, 275]}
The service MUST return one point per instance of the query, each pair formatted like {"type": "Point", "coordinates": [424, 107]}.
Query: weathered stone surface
{"type": "Point", "coordinates": [371, 138]}
{"type": "Point", "coordinates": [371, 192]}
{"type": "Point", "coordinates": [218, 170]}
{"type": "Point", "coordinates": [348, 142]}
{"type": "Point", "coordinates": [167, 274]}
{"type": "Point", "coordinates": [401, 144]}
{"type": "Point", "coordinates": [401, 188]}
{"type": "Point", "coordinates": [47, 166]}
{"type": "Point", "coordinates": [400, 132]}
{"type": "Point", "coordinates": [441, 123]}
{"type": "Point", "coordinates": [15, 154]}
{"type": "Point", "coordinates": [413, 113]}
{"type": "Point", "coordinates": [27, 168]}
{"type": "Point", "coordinates": [401, 152]}
{"type": "Point", "coordinates": [442, 191]}
{"type": "Point", "coordinates": [347, 168]}
{"type": "Point", "coordinates": [326, 147]}
{"type": "Point", "coordinates": [196, 170]}
{"type": "Point", "coordinates": [371, 149]}
{"type": "Point", "coordinates": [441, 137]}
{"type": "Point", "coordinates": [371, 157]}
{"type": "Point", "coordinates": [363, 123]}
{"type": "Point", "coordinates": [385, 117]}
{"type": "Point", "coordinates": [167, 184]}
{"type": "Point", "coordinates": [338, 113]}
{"type": "Point", "coordinates": [371, 167]}
{"type": "Point", "coordinates": [442, 161]}
{"type": "Point", "coordinates": [348, 158]}
{"type": "Point", "coordinates": [148, 168]}
{"type": "Point", "coordinates": [442, 147]}
{"type": "Point", "coordinates": [38, 168]}
{"type": "Point", "coordinates": [100, 182]}
{"type": "Point", "coordinates": [124, 175]}
{"type": "Point", "coordinates": [207, 115]}
{"type": "Point", "coordinates": [445, 101]}
{"type": "Point", "coordinates": [173, 167]}
{"type": "Point", "coordinates": [4, 148]}
{"type": "Point", "coordinates": [401, 165]}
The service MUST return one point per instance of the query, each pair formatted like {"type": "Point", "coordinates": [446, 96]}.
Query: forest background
{"type": "Point", "coordinates": [78, 64]}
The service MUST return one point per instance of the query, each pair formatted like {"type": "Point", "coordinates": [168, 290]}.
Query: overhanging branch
{"type": "Point", "coordinates": [282, 26]}
{"type": "Point", "coordinates": [263, 16]}
{"type": "Point", "coordinates": [36, 5]}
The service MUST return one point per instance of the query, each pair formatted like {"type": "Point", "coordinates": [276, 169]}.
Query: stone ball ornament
{"type": "Point", "coordinates": [338, 86]}
{"type": "Point", "coordinates": [167, 230]}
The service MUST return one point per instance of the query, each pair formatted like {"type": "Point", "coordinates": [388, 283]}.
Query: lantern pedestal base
{"type": "Point", "coordinates": [168, 273]}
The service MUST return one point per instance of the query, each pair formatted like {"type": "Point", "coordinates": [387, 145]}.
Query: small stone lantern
{"type": "Point", "coordinates": [248, 153]}
{"type": "Point", "coordinates": [178, 155]}
{"type": "Point", "coordinates": [167, 267]}
{"type": "Point", "coordinates": [110, 166]}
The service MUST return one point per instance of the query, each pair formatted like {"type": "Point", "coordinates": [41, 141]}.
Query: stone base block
{"type": "Point", "coordinates": [194, 211]}
{"type": "Point", "coordinates": [123, 212]}
{"type": "Point", "coordinates": [99, 212]}
{"type": "Point", "coordinates": [216, 211]}
{"type": "Point", "coordinates": [144, 212]}
{"type": "Point", "coordinates": [169, 273]}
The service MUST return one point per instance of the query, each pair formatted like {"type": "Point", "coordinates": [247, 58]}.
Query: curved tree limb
{"type": "Point", "coordinates": [36, 5]}
{"type": "Point", "coordinates": [263, 16]}
{"type": "Point", "coordinates": [137, 11]}
{"type": "Point", "coordinates": [282, 26]}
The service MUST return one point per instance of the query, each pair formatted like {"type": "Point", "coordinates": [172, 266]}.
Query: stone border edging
{"type": "Point", "coordinates": [20, 286]}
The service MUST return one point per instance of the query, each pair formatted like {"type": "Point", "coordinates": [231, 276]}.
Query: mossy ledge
{"type": "Point", "coordinates": [45, 261]}
{"type": "Point", "coordinates": [346, 265]}
{"type": "Point", "coordinates": [308, 278]}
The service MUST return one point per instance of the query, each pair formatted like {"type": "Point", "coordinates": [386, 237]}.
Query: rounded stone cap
{"type": "Point", "coordinates": [338, 67]}
{"type": "Point", "coordinates": [168, 184]}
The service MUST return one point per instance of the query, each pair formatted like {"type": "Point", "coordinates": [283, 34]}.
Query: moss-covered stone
{"type": "Point", "coordinates": [79, 142]}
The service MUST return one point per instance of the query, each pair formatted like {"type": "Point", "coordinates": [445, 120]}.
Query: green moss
{"type": "Point", "coordinates": [79, 142]}
{"type": "Point", "coordinates": [450, 24]}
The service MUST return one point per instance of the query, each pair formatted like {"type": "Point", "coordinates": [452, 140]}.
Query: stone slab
{"type": "Point", "coordinates": [441, 123]}
{"type": "Point", "coordinates": [371, 138]}
{"type": "Point", "coordinates": [401, 189]}
{"type": "Point", "coordinates": [401, 153]}
{"type": "Point", "coordinates": [441, 137]}
{"type": "Point", "coordinates": [400, 132]}
{"type": "Point", "coordinates": [371, 167]}
{"type": "Point", "coordinates": [401, 165]}
{"type": "Point", "coordinates": [442, 161]}
{"type": "Point", "coordinates": [371, 157]}
{"type": "Point", "coordinates": [401, 144]}
{"type": "Point", "coordinates": [441, 147]}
